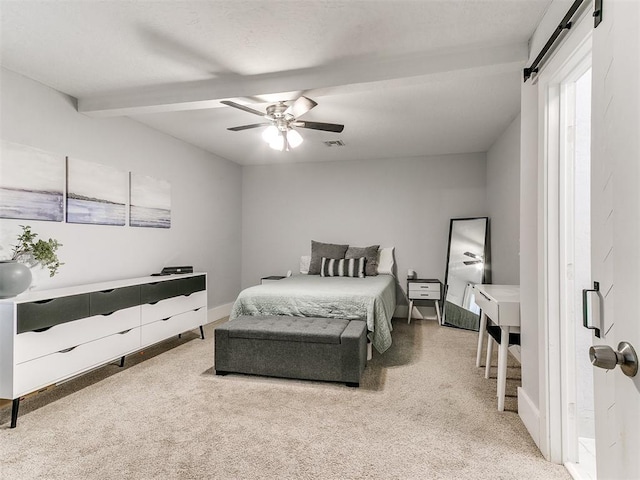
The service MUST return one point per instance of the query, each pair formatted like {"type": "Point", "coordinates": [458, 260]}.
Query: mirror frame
{"type": "Point", "coordinates": [486, 271]}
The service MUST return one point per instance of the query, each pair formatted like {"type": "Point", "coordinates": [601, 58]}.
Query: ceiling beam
{"type": "Point", "coordinates": [360, 72]}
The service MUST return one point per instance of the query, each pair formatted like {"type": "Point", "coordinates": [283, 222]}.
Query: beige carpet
{"type": "Point", "coordinates": [423, 412]}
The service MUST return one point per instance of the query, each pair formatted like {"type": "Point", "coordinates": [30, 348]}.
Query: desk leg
{"type": "Point", "coordinates": [438, 314]}
{"type": "Point", "coordinates": [410, 311]}
{"type": "Point", "coordinates": [487, 368]}
{"type": "Point", "coordinates": [481, 331]}
{"type": "Point", "coordinates": [503, 356]}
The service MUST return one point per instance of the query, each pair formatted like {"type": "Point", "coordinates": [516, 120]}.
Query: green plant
{"type": "Point", "coordinates": [37, 252]}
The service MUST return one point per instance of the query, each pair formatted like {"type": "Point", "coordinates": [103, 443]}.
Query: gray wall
{"type": "Point", "coordinates": [205, 191]}
{"type": "Point", "coordinates": [405, 203]}
{"type": "Point", "coordinates": [503, 203]}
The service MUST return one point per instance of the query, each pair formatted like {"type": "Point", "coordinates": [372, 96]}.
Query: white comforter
{"type": "Point", "coordinates": [371, 298]}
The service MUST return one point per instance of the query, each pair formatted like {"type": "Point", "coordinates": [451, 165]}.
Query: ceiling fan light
{"type": "Point", "coordinates": [294, 138]}
{"type": "Point", "coordinates": [270, 133]}
{"type": "Point", "coordinates": [277, 143]}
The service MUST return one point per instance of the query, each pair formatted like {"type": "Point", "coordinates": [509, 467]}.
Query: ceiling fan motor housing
{"type": "Point", "coordinates": [276, 113]}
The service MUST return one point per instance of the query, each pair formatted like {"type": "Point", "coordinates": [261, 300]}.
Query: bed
{"type": "Point", "coordinates": [372, 298]}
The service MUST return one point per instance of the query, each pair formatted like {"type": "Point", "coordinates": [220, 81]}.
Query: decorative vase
{"type": "Point", "coordinates": [15, 278]}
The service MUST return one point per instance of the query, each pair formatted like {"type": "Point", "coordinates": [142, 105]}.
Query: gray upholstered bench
{"type": "Point", "coordinates": [293, 347]}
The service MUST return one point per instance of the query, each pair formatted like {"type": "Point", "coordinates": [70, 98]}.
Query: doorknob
{"type": "Point", "coordinates": [604, 356]}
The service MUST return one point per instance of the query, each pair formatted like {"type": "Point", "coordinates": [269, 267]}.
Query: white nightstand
{"type": "Point", "coordinates": [420, 289]}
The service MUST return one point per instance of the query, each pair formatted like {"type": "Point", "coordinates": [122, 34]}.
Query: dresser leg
{"type": "Point", "coordinates": [201, 332]}
{"type": "Point", "coordinates": [14, 412]}
{"type": "Point", "coordinates": [121, 362]}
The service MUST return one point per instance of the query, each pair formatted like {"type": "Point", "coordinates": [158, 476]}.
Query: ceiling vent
{"type": "Point", "coordinates": [334, 143]}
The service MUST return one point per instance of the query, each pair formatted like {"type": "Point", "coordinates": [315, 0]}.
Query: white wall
{"type": "Point", "coordinates": [406, 203]}
{"type": "Point", "coordinates": [503, 204]}
{"type": "Point", "coordinates": [205, 194]}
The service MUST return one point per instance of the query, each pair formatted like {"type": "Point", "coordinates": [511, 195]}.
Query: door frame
{"type": "Point", "coordinates": [572, 56]}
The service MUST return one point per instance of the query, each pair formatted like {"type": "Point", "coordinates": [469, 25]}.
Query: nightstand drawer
{"type": "Point", "coordinates": [424, 295]}
{"type": "Point", "coordinates": [424, 287]}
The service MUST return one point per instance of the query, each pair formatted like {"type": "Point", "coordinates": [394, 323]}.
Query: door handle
{"type": "Point", "coordinates": [604, 356]}
{"type": "Point", "coordinates": [585, 309]}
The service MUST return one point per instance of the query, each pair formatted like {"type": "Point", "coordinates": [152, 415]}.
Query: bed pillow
{"type": "Point", "coordinates": [305, 260]}
{"type": "Point", "coordinates": [370, 253]}
{"type": "Point", "coordinates": [327, 250]}
{"type": "Point", "coordinates": [342, 267]}
{"type": "Point", "coordinates": [385, 261]}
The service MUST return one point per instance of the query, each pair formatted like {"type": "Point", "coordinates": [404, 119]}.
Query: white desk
{"type": "Point", "coordinates": [500, 303]}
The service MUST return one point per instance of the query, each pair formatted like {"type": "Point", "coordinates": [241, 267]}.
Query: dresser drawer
{"type": "Point", "coordinates": [109, 301]}
{"type": "Point", "coordinates": [43, 371]}
{"type": "Point", "coordinates": [172, 306]}
{"type": "Point", "coordinates": [47, 313]}
{"type": "Point", "coordinates": [30, 345]}
{"type": "Point", "coordinates": [154, 292]}
{"type": "Point", "coordinates": [424, 295]}
{"type": "Point", "coordinates": [163, 329]}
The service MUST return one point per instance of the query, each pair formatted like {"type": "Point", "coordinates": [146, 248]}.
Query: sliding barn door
{"type": "Point", "coordinates": [615, 206]}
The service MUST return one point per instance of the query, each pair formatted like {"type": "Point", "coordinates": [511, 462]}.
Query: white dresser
{"type": "Point", "coordinates": [51, 335]}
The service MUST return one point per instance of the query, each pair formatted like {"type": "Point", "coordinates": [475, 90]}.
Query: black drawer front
{"type": "Point", "coordinates": [109, 301]}
{"type": "Point", "coordinates": [47, 313]}
{"type": "Point", "coordinates": [154, 292]}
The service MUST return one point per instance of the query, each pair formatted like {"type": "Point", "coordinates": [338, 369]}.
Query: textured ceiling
{"type": "Point", "coordinates": [406, 78]}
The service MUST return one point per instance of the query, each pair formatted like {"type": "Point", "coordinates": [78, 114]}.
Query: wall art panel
{"type": "Point", "coordinates": [96, 193]}
{"type": "Point", "coordinates": [150, 202]}
{"type": "Point", "coordinates": [31, 183]}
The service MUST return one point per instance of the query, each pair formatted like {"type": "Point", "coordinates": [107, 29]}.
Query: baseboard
{"type": "Point", "coordinates": [218, 313]}
{"type": "Point", "coordinates": [530, 415]}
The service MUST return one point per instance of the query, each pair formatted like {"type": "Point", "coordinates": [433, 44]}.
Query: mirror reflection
{"type": "Point", "coordinates": [467, 265]}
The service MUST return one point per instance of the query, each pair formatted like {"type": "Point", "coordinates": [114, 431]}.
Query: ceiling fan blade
{"type": "Point", "coordinates": [247, 127]}
{"type": "Point", "coordinates": [301, 106]}
{"type": "Point", "coordinates": [327, 127]}
{"type": "Point", "coordinates": [242, 107]}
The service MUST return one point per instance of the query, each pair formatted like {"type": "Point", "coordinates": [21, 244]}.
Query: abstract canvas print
{"type": "Point", "coordinates": [150, 202]}
{"type": "Point", "coordinates": [31, 183]}
{"type": "Point", "coordinates": [96, 193]}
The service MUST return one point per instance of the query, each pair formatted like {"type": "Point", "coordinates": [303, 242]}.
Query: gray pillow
{"type": "Point", "coordinates": [370, 253]}
{"type": "Point", "coordinates": [327, 250]}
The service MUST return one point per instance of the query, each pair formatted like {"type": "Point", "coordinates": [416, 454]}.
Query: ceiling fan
{"type": "Point", "coordinates": [282, 120]}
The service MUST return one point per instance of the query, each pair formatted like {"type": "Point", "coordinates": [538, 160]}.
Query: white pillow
{"type": "Point", "coordinates": [305, 261]}
{"type": "Point", "coordinates": [385, 261]}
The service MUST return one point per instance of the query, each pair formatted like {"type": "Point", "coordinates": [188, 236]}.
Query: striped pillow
{"type": "Point", "coordinates": [342, 267]}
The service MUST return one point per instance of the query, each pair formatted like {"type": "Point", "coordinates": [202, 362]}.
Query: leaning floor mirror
{"type": "Point", "coordinates": [467, 265]}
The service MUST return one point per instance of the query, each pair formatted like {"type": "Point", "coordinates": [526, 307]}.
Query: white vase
{"type": "Point", "coordinates": [15, 278]}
